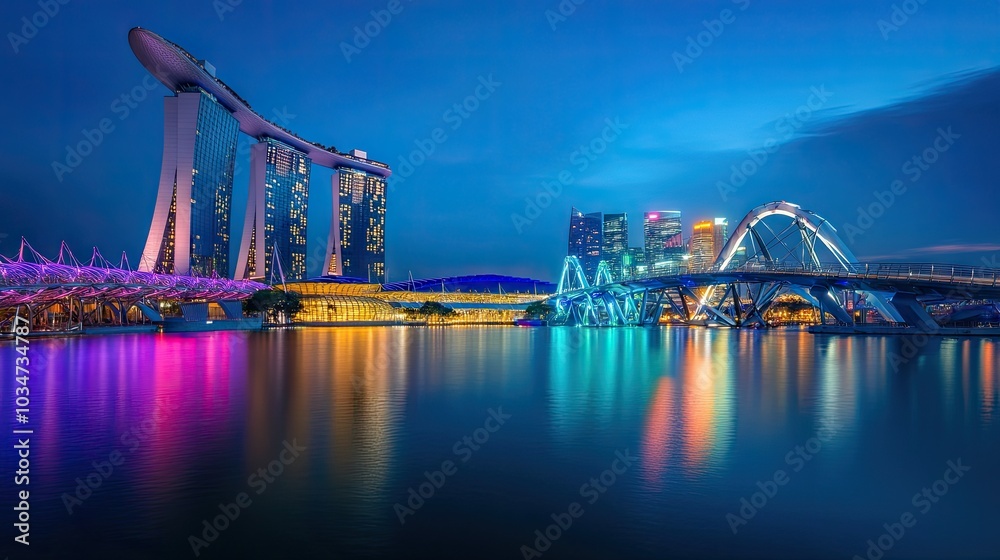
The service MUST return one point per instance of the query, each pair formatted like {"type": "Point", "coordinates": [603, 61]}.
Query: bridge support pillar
{"type": "Point", "coordinates": [233, 308]}
{"type": "Point", "coordinates": [913, 311]}
{"type": "Point", "coordinates": [829, 303]}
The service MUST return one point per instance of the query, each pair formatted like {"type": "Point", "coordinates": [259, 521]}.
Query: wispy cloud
{"type": "Point", "coordinates": [936, 250]}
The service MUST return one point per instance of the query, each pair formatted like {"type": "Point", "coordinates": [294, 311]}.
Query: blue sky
{"type": "Point", "coordinates": [560, 81]}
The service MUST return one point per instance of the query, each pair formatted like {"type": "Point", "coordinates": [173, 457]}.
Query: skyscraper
{"type": "Point", "coordinates": [615, 243]}
{"type": "Point", "coordinates": [190, 229]}
{"type": "Point", "coordinates": [586, 240]}
{"type": "Point", "coordinates": [720, 231]}
{"type": "Point", "coordinates": [702, 247]}
{"type": "Point", "coordinates": [190, 232]}
{"type": "Point", "coordinates": [664, 242]}
{"type": "Point", "coordinates": [357, 237]}
{"type": "Point", "coordinates": [635, 263]}
{"type": "Point", "coordinates": [274, 231]}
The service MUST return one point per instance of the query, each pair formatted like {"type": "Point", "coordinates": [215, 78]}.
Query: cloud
{"type": "Point", "coordinates": [949, 249]}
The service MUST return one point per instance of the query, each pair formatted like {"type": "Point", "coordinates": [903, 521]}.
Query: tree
{"type": "Point", "coordinates": [538, 310]}
{"type": "Point", "coordinates": [260, 302]}
{"type": "Point", "coordinates": [276, 305]}
{"type": "Point", "coordinates": [435, 308]}
{"type": "Point", "coordinates": [291, 304]}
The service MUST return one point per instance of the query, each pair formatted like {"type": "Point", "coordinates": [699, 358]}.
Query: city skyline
{"type": "Point", "coordinates": [604, 236]}
{"type": "Point", "coordinates": [689, 147]}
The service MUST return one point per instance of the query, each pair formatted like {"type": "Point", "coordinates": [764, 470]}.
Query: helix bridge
{"type": "Point", "coordinates": [97, 291]}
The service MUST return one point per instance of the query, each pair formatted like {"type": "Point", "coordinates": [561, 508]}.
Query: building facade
{"type": "Point", "coordinates": [702, 247]}
{"type": "Point", "coordinates": [720, 233]}
{"type": "Point", "coordinates": [189, 234]}
{"type": "Point", "coordinates": [480, 299]}
{"type": "Point", "coordinates": [635, 263]}
{"type": "Point", "coordinates": [586, 240]}
{"type": "Point", "coordinates": [274, 230]}
{"type": "Point", "coordinates": [663, 238]}
{"type": "Point", "coordinates": [615, 245]}
{"type": "Point", "coordinates": [357, 238]}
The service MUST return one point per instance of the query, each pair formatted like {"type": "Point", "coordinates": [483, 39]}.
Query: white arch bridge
{"type": "Point", "coordinates": [787, 250]}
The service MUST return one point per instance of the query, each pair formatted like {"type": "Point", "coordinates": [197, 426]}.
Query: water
{"type": "Point", "coordinates": [700, 416]}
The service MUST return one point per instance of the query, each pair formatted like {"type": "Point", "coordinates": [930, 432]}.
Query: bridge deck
{"type": "Point", "coordinates": [923, 279]}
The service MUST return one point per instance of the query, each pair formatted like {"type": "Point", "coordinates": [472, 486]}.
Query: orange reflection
{"type": "Point", "coordinates": [698, 401]}
{"type": "Point", "coordinates": [366, 387]}
{"type": "Point", "coordinates": [988, 378]}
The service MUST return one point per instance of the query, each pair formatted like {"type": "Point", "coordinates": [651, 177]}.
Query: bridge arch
{"type": "Point", "coordinates": [603, 274]}
{"type": "Point", "coordinates": [811, 232]}
{"type": "Point", "coordinates": [572, 276]}
{"type": "Point", "coordinates": [811, 227]}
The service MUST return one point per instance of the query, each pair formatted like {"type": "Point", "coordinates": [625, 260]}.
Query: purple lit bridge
{"type": "Point", "coordinates": [779, 248]}
{"type": "Point", "coordinates": [68, 294]}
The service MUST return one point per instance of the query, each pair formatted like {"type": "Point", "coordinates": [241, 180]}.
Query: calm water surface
{"type": "Point", "coordinates": [700, 417]}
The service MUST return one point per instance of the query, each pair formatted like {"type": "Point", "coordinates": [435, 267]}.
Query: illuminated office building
{"type": "Point", "coordinates": [274, 231]}
{"type": "Point", "coordinates": [586, 233]}
{"type": "Point", "coordinates": [357, 236]}
{"type": "Point", "coordinates": [634, 263]}
{"type": "Point", "coordinates": [739, 258]}
{"type": "Point", "coordinates": [702, 247]}
{"type": "Point", "coordinates": [615, 243]}
{"type": "Point", "coordinates": [720, 233]}
{"type": "Point", "coordinates": [664, 242]}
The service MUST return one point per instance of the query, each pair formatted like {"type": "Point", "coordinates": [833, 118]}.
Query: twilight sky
{"type": "Point", "coordinates": [843, 102]}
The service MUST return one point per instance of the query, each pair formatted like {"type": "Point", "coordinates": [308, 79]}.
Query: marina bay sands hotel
{"type": "Point", "coordinates": [190, 233]}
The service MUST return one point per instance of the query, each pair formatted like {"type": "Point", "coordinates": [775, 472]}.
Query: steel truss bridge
{"type": "Point", "coordinates": [97, 292]}
{"type": "Point", "coordinates": [788, 250]}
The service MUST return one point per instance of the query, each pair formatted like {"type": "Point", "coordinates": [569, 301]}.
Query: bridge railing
{"type": "Point", "coordinates": [936, 272]}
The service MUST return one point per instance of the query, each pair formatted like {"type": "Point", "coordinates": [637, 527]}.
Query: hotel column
{"type": "Point", "coordinates": [252, 240]}
{"type": "Point", "coordinates": [333, 263]}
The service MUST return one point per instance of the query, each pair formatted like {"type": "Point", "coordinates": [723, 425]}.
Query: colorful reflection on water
{"type": "Point", "coordinates": [707, 413]}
